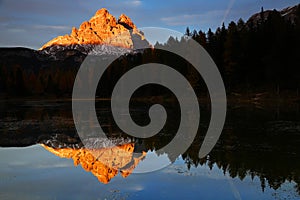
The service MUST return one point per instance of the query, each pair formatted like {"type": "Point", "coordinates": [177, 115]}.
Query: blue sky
{"type": "Point", "coordinates": [31, 23]}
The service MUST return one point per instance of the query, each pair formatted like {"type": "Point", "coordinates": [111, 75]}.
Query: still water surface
{"type": "Point", "coordinates": [257, 157]}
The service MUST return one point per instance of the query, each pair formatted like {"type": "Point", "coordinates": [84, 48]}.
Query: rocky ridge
{"type": "Point", "coordinates": [102, 29]}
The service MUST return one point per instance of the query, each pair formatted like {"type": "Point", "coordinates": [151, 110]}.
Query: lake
{"type": "Point", "coordinates": [42, 157]}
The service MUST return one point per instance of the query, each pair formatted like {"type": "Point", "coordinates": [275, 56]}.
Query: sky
{"type": "Point", "coordinates": [31, 23]}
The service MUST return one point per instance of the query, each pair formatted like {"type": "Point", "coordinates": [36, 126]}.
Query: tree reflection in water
{"type": "Point", "coordinates": [262, 142]}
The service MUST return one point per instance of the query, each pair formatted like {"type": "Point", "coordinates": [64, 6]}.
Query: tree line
{"type": "Point", "coordinates": [257, 55]}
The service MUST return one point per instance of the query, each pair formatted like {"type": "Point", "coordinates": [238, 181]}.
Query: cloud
{"type": "Point", "coordinates": [135, 3]}
{"type": "Point", "coordinates": [16, 30]}
{"type": "Point", "coordinates": [52, 27]}
{"type": "Point", "coordinates": [194, 19]}
{"type": "Point", "coordinates": [41, 165]}
{"type": "Point", "coordinates": [35, 27]}
{"type": "Point", "coordinates": [37, 6]}
{"type": "Point", "coordinates": [180, 20]}
{"type": "Point", "coordinates": [5, 19]}
{"type": "Point", "coordinates": [31, 35]}
{"type": "Point", "coordinates": [59, 164]}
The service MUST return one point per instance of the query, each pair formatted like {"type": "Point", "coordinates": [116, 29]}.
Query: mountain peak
{"type": "Point", "coordinates": [101, 12]}
{"type": "Point", "coordinates": [102, 28]}
{"type": "Point", "coordinates": [126, 21]}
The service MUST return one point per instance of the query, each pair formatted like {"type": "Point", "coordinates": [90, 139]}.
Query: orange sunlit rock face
{"type": "Point", "coordinates": [104, 163]}
{"type": "Point", "coordinates": [102, 28]}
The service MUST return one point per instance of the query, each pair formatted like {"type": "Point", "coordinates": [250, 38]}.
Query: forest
{"type": "Point", "coordinates": [257, 55]}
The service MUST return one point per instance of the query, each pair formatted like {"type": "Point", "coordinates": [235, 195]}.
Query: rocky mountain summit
{"type": "Point", "coordinates": [102, 29]}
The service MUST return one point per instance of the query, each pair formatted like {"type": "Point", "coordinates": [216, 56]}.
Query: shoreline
{"type": "Point", "coordinates": [250, 98]}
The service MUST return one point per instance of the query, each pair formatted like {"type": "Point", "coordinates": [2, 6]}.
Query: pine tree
{"type": "Point", "coordinates": [188, 32]}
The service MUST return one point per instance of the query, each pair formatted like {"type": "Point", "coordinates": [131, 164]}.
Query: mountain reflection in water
{"type": "Point", "coordinates": [104, 163]}
{"type": "Point", "coordinates": [257, 141]}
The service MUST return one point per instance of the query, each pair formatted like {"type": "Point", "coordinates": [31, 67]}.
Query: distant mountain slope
{"type": "Point", "coordinates": [289, 13]}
